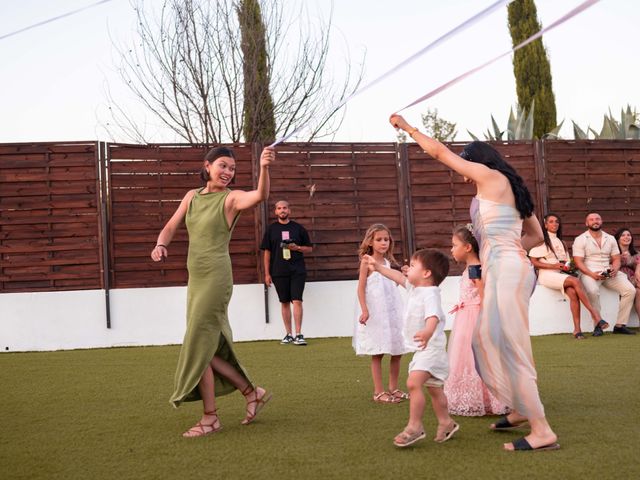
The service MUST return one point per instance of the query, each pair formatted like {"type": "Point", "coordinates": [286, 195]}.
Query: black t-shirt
{"type": "Point", "coordinates": [273, 237]}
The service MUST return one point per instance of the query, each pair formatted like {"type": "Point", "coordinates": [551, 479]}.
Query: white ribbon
{"type": "Point", "coordinates": [463, 26]}
{"type": "Point", "coordinates": [579, 9]}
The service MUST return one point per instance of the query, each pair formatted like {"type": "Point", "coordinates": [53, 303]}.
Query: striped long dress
{"type": "Point", "coordinates": [501, 342]}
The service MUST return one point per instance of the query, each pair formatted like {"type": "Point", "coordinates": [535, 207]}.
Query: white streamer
{"type": "Point", "coordinates": [53, 19]}
{"type": "Point", "coordinates": [579, 9]}
{"type": "Point", "coordinates": [463, 26]}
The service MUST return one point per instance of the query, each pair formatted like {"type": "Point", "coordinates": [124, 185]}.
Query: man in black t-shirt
{"type": "Point", "coordinates": [285, 242]}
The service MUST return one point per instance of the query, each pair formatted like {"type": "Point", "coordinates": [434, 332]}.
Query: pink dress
{"type": "Point", "coordinates": [466, 392]}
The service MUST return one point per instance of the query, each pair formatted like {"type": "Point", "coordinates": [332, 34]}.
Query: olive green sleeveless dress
{"type": "Point", "coordinates": [208, 294]}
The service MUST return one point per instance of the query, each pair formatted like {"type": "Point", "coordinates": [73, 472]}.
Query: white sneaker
{"type": "Point", "coordinates": [299, 340]}
{"type": "Point", "coordinates": [287, 340]}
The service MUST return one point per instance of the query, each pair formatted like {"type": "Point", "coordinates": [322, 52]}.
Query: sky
{"type": "Point", "coordinates": [55, 77]}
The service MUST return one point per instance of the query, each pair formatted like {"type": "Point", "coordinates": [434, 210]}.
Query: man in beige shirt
{"type": "Point", "coordinates": [597, 256]}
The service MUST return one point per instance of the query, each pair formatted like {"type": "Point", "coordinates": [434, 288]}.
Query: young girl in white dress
{"type": "Point", "coordinates": [378, 329]}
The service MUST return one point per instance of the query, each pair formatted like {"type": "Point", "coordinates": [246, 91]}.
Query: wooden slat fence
{"type": "Point", "coordinates": [336, 191]}
{"type": "Point", "coordinates": [440, 198]}
{"type": "Point", "coordinates": [146, 185]}
{"type": "Point", "coordinates": [50, 230]}
{"type": "Point", "coordinates": [51, 223]}
{"type": "Point", "coordinates": [594, 175]}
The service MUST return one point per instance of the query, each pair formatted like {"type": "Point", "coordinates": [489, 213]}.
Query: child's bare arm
{"type": "Point", "coordinates": [477, 282]}
{"type": "Point", "coordinates": [391, 274]}
{"type": "Point", "coordinates": [362, 283]}
{"type": "Point", "coordinates": [423, 336]}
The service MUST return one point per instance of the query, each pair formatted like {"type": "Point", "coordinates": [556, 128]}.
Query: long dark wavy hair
{"type": "Point", "coordinates": [545, 233]}
{"type": "Point", "coordinates": [618, 234]}
{"type": "Point", "coordinates": [481, 152]}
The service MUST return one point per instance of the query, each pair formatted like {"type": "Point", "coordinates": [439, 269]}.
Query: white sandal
{"type": "Point", "coordinates": [385, 397]}
{"type": "Point", "coordinates": [405, 438]}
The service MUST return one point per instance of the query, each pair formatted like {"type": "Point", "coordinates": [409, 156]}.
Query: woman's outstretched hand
{"type": "Point", "coordinates": [159, 252]}
{"type": "Point", "coordinates": [397, 121]}
{"type": "Point", "coordinates": [267, 157]}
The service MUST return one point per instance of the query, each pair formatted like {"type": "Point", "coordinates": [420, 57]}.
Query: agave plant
{"type": "Point", "coordinates": [519, 127]}
{"type": "Point", "coordinates": [628, 128]}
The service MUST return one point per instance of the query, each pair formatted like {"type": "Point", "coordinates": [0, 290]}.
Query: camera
{"type": "Point", "coordinates": [606, 273]}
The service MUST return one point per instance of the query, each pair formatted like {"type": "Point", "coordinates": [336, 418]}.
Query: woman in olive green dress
{"type": "Point", "coordinates": [207, 365]}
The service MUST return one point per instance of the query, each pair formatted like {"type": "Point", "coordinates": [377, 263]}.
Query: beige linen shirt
{"type": "Point", "coordinates": [597, 258]}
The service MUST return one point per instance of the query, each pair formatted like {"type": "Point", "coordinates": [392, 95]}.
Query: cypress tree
{"type": "Point", "coordinates": [531, 67]}
{"type": "Point", "coordinates": [259, 121]}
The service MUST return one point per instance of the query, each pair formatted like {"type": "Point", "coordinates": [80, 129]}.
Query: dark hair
{"type": "Point", "coordinates": [435, 261]}
{"type": "Point", "coordinates": [464, 234]}
{"type": "Point", "coordinates": [481, 152]}
{"type": "Point", "coordinates": [211, 156]}
{"type": "Point", "coordinates": [545, 233]}
{"type": "Point", "coordinates": [592, 212]}
{"type": "Point", "coordinates": [618, 234]}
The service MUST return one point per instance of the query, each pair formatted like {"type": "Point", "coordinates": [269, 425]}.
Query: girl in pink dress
{"type": "Point", "coordinates": [465, 390]}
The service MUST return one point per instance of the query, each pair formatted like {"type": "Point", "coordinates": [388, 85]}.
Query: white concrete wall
{"type": "Point", "coordinates": [156, 316]}
{"type": "Point", "coordinates": [549, 312]}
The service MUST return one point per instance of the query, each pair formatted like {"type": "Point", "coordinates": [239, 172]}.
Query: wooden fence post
{"type": "Point", "coordinates": [404, 199]}
{"type": "Point", "coordinates": [103, 229]}
{"type": "Point", "coordinates": [542, 190]}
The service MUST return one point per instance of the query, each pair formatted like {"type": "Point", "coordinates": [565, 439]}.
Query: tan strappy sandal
{"type": "Point", "coordinates": [203, 429]}
{"type": "Point", "coordinates": [399, 395]}
{"type": "Point", "coordinates": [385, 397]}
{"type": "Point", "coordinates": [445, 433]}
{"type": "Point", "coordinates": [259, 401]}
{"type": "Point", "coordinates": [406, 438]}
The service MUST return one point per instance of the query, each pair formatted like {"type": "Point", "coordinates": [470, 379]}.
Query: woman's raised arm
{"type": "Point", "coordinates": [477, 172]}
{"type": "Point", "coordinates": [239, 200]}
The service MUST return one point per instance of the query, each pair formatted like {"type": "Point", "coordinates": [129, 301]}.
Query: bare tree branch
{"type": "Point", "coordinates": [185, 69]}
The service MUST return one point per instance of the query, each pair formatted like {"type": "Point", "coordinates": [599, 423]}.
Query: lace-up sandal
{"type": "Point", "coordinates": [399, 395]}
{"type": "Point", "coordinates": [259, 402]}
{"type": "Point", "coordinates": [203, 429]}
{"type": "Point", "coordinates": [385, 397]}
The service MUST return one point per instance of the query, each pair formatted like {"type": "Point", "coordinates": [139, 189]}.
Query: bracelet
{"type": "Point", "coordinates": [160, 245]}
{"type": "Point", "coordinates": [412, 131]}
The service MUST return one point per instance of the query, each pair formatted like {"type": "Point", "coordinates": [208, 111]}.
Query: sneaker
{"type": "Point", "coordinates": [286, 340]}
{"type": "Point", "coordinates": [299, 340]}
{"type": "Point", "coordinates": [623, 330]}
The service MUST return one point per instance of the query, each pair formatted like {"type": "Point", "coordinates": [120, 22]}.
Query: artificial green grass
{"type": "Point", "coordinates": [95, 414]}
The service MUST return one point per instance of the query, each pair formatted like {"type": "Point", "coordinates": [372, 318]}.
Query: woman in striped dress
{"type": "Point", "coordinates": [504, 224]}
